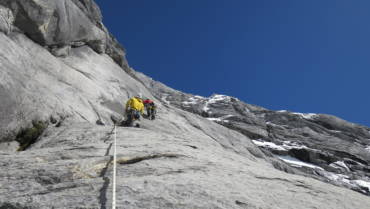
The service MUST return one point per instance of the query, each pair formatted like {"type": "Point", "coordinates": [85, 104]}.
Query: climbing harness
{"type": "Point", "coordinates": [114, 168]}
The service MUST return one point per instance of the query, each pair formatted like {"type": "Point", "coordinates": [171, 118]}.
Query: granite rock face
{"type": "Point", "coordinates": [322, 146]}
{"type": "Point", "coordinates": [59, 91]}
{"type": "Point", "coordinates": [37, 86]}
{"type": "Point", "coordinates": [6, 20]}
{"type": "Point", "coordinates": [179, 161]}
{"type": "Point", "coordinates": [60, 23]}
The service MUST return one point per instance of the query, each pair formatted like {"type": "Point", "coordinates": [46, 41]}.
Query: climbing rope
{"type": "Point", "coordinates": [114, 168]}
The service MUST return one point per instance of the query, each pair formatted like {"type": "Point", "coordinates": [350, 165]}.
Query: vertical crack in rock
{"type": "Point", "coordinates": [103, 190]}
{"type": "Point", "coordinates": [107, 138]}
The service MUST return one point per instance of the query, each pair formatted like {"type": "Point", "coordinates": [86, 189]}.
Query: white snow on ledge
{"type": "Point", "coordinates": [293, 145]}
{"type": "Point", "coordinates": [268, 145]}
{"type": "Point", "coordinates": [362, 183]}
{"type": "Point", "coordinates": [206, 108]}
{"type": "Point", "coordinates": [287, 145]}
{"type": "Point", "coordinates": [214, 99]}
{"type": "Point", "coordinates": [218, 97]}
{"type": "Point", "coordinates": [215, 119]}
{"type": "Point", "coordinates": [292, 161]}
{"type": "Point", "coordinates": [340, 178]}
{"type": "Point", "coordinates": [164, 99]}
{"type": "Point", "coordinates": [298, 163]}
{"type": "Point", "coordinates": [306, 115]}
{"type": "Point", "coordinates": [221, 119]}
{"type": "Point", "coordinates": [339, 164]}
{"type": "Point", "coordinates": [368, 148]}
{"type": "Point", "coordinates": [303, 115]}
{"type": "Point", "coordinates": [192, 101]}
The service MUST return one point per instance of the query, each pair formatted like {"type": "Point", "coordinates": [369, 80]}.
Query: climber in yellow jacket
{"type": "Point", "coordinates": [134, 109]}
{"type": "Point", "coordinates": [135, 103]}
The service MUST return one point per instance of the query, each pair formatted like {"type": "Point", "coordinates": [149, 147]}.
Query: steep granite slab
{"type": "Point", "coordinates": [162, 165]}
{"type": "Point", "coordinates": [35, 85]}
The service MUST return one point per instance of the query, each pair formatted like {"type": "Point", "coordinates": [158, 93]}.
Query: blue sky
{"type": "Point", "coordinates": [303, 56]}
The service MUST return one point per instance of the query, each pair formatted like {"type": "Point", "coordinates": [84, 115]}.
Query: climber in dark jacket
{"type": "Point", "coordinates": [151, 109]}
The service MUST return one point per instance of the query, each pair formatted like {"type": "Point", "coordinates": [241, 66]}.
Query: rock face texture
{"type": "Point", "coordinates": [322, 146]}
{"type": "Point", "coordinates": [62, 73]}
{"type": "Point", "coordinates": [60, 23]}
{"type": "Point", "coordinates": [6, 20]}
{"type": "Point", "coordinates": [35, 85]}
{"type": "Point", "coordinates": [180, 161]}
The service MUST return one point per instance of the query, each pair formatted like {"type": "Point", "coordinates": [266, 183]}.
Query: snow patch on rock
{"type": "Point", "coordinates": [303, 115]}
{"type": "Point", "coordinates": [287, 145]}
{"type": "Point", "coordinates": [368, 148]}
{"type": "Point", "coordinates": [306, 115]}
{"type": "Point", "coordinates": [297, 163]}
{"type": "Point", "coordinates": [217, 120]}
{"type": "Point", "coordinates": [192, 101]}
{"type": "Point", "coordinates": [293, 145]}
{"type": "Point", "coordinates": [339, 164]}
{"type": "Point", "coordinates": [218, 97]}
{"type": "Point", "coordinates": [215, 98]}
{"type": "Point", "coordinates": [362, 183]}
{"type": "Point", "coordinates": [269, 145]}
{"type": "Point", "coordinates": [271, 124]}
{"type": "Point", "coordinates": [164, 99]}
{"type": "Point", "coordinates": [206, 108]}
{"type": "Point", "coordinates": [340, 178]}
{"type": "Point", "coordinates": [221, 119]}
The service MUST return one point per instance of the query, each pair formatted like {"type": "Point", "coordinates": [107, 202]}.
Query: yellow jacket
{"type": "Point", "coordinates": [136, 104]}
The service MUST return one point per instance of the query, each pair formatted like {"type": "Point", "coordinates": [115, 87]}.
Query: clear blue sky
{"type": "Point", "coordinates": [297, 55]}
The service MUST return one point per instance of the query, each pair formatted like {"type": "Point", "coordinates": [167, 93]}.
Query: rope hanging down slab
{"type": "Point", "coordinates": [114, 168]}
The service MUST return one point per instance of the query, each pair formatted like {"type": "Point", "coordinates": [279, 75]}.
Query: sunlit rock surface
{"type": "Point", "coordinates": [216, 152]}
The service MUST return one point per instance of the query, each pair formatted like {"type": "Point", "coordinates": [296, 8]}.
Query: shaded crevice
{"type": "Point", "coordinates": [83, 117]}
{"type": "Point", "coordinates": [28, 136]}
{"type": "Point", "coordinates": [54, 190]}
{"type": "Point", "coordinates": [344, 155]}
{"type": "Point", "coordinates": [298, 184]}
{"type": "Point", "coordinates": [108, 150]}
{"type": "Point", "coordinates": [109, 134]}
{"type": "Point", "coordinates": [103, 191]}
{"type": "Point", "coordinates": [244, 205]}
{"type": "Point", "coordinates": [272, 179]}
{"type": "Point", "coordinates": [80, 148]}
{"type": "Point", "coordinates": [192, 146]}
{"type": "Point", "coordinates": [99, 121]}
{"type": "Point", "coordinates": [7, 205]}
{"type": "Point", "coordinates": [126, 161]}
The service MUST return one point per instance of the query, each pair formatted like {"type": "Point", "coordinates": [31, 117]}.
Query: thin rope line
{"type": "Point", "coordinates": [114, 168]}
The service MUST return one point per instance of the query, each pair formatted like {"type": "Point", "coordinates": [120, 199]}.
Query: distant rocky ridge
{"type": "Point", "coordinates": [322, 146]}
{"type": "Point", "coordinates": [62, 78]}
